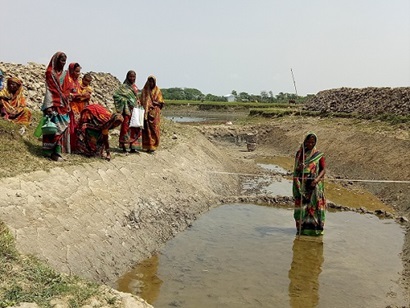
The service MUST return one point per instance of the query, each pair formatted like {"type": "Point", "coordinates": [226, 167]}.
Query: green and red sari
{"type": "Point", "coordinates": [310, 202]}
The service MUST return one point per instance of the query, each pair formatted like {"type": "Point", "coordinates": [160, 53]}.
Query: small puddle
{"type": "Point", "coordinates": [244, 255]}
{"type": "Point", "coordinates": [179, 119]}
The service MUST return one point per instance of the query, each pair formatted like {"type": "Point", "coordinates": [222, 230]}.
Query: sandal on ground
{"type": "Point", "coordinates": [57, 157]}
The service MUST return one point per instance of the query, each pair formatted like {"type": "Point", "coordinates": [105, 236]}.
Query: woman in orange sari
{"type": "Point", "coordinates": [77, 98]}
{"type": "Point", "coordinates": [153, 102]}
{"type": "Point", "coordinates": [56, 107]}
{"type": "Point", "coordinates": [13, 103]}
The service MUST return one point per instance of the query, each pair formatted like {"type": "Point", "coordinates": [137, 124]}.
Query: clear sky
{"type": "Point", "coordinates": [218, 46]}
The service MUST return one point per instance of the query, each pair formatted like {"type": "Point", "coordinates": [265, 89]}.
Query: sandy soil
{"type": "Point", "coordinates": [98, 219]}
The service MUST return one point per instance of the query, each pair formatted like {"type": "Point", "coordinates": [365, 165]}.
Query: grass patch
{"type": "Point", "coordinates": [272, 112]}
{"type": "Point", "coordinates": [21, 153]}
{"type": "Point", "coordinates": [26, 279]}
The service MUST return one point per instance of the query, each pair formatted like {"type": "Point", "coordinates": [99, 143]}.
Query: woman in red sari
{"type": "Point", "coordinates": [153, 102]}
{"type": "Point", "coordinates": [56, 107]}
{"type": "Point", "coordinates": [13, 103]}
{"type": "Point", "coordinates": [93, 128]}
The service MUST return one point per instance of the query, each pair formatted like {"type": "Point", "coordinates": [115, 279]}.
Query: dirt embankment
{"type": "Point", "coordinates": [366, 101]}
{"type": "Point", "coordinates": [98, 219]}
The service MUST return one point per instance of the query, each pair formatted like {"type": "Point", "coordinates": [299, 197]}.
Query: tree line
{"type": "Point", "coordinates": [191, 94]}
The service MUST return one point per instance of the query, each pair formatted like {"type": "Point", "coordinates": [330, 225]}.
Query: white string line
{"type": "Point", "coordinates": [330, 179]}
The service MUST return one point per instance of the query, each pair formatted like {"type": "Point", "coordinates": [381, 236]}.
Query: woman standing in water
{"type": "Point", "coordinates": [308, 188]}
{"type": "Point", "coordinates": [153, 102]}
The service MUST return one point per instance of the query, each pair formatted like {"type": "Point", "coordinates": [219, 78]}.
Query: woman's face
{"type": "Point", "coordinates": [61, 61]}
{"type": "Point", "coordinates": [132, 77]}
{"type": "Point", "coordinates": [86, 81]}
{"type": "Point", "coordinates": [310, 143]}
{"type": "Point", "coordinates": [13, 87]}
{"type": "Point", "coordinates": [151, 83]}
{"type": "Point", "coordinates": [77, 72]}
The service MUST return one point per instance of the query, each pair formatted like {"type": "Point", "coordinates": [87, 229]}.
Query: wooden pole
{"type": "Point", "coordinates": [294, 82]}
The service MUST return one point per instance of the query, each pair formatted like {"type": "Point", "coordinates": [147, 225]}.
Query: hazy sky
{"type": "Point", "coordinates": [218, 46]}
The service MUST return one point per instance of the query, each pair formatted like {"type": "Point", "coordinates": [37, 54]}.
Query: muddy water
{"type": "Point", "coordinates": [243, 255]}
{"type": "Point", "coordinates": [181, 119]}
{"type": "Point", "coordinates": [248, 256]}
{"type": "Point", "coordinates": [197, 116]}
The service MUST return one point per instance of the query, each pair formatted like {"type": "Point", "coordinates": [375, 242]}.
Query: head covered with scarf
{"type": "Point", "coordinates": [18, 94]}
{"type": "Point", "coordinates": [151, 93]}
{"type": "Point", "coordinates": [54, 79]}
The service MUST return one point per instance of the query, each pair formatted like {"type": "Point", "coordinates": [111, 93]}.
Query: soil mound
{"type": "Point", "coordinates": [366, 101]}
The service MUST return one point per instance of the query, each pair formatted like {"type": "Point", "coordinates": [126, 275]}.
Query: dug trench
{"type": "Point", "coordinates": [97, 220]}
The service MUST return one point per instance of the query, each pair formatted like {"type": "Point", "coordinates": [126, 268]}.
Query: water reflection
{"type": "Point", "coordinates": [305, 270]}
{"type": "Point", "coordinates": [242, 255]}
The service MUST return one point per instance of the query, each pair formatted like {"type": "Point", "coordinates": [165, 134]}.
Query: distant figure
{"type": "Point", "coordinates": [1, 80]}
{"type": "Point", "coordinates": [125, 99]}
{"type": "Point", "coordinates": [56, 106]}
{"type": "Point", "coordinates": [153, 102]}
{"type": "Point", "coordinates": [93, 128]}
{"type": "Point", "coordinates": [13, 103]}
{"type": "Point", "coordinates": [308, 188]}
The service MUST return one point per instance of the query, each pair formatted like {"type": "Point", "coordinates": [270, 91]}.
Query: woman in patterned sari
{"type": "Point", "coordinates": [125, 99]}
{"type": "Point", "coordinates": [92, 131]}
{"type": "Point", "coordinates": [72, 88]}
{"type": "Point", "coordinates": [13, 103]}
{"type": "Point", "coordinates": [56, 106]}
{"type": "Point", "coordinates": [153, 102]}
{"type": "Point", "coordinates": [308, 188]}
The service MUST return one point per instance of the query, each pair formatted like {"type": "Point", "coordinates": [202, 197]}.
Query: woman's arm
{"type": "Point", "coordinates": [322, 172]}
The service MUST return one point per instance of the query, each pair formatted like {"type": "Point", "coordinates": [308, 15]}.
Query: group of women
{"type": "Point", "coordinates": [126, 99]}
{"type": "Point", "coordinates": [83, 127]}
{"type": "Point", "coordinates": [71, 124]}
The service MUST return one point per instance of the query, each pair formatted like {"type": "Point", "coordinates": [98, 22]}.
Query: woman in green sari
{"type": "Point", "coordinates": [125, 99]}
{"type": "Point", "coordinates": [308, 188]}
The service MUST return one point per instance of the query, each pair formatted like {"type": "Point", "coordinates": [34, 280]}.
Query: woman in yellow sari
{"type": "Point", "coordinates": [153, 102]}
{"type": "Point", "coordinates": [13, 103]}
